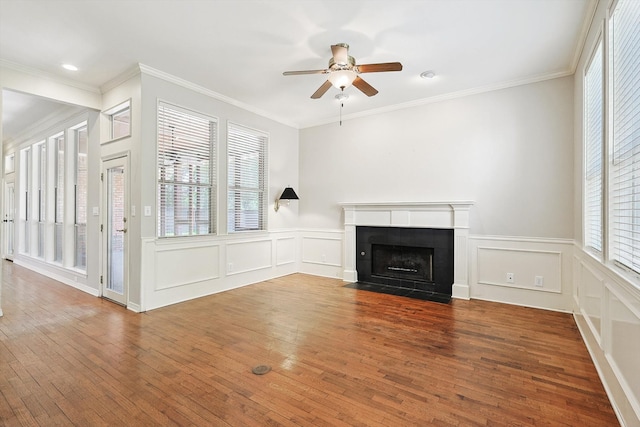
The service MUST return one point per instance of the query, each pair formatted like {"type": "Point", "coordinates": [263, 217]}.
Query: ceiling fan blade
{"type": "Point", "coordinates": [377, 68]}
{"type": "Point", "coordinates": [321, 90]}
{"type": "Point", "coordinates": [297, 73]}
{"type": "Point", "coordinates": [364, 87]}
{"type": "Point", "coordinates": [340, 54]}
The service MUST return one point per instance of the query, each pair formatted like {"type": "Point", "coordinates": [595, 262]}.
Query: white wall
{"type": "Point", "coordinates": [174, 270]}
{"type": "Point", "coordinates": [510, 151]}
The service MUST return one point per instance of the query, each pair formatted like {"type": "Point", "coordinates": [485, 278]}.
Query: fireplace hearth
{"type": "Point", "coordinates": [414, 262]}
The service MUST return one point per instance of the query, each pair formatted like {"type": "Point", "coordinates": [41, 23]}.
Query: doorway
{"type": "Point", "coordinates": [115, 278]}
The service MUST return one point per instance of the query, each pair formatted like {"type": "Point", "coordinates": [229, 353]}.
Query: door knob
{"type": "Point", "coordinates": [124, 230]}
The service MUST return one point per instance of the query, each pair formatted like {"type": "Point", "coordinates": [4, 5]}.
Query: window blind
{"type": "Point", "coordinates": [625, 132]}
{"type": "Point", "coordinates": [246, 179]}
{"type": "Point", "coordinates": [42, 196]}
{"type": "Point", "coordinates": [186, 162]}
{"type": "Point", "coordinates": [593, 117]}
{"type": "Point", "coordinates": [59, 143]}
{"type": "Point", "coordinates": [81, 185]}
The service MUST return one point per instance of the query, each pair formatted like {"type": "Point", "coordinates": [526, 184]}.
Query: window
{"type": "Point", "coordinates": [119, 120]}
{"type": "Point", "coordinates": [52, 181]}
{"type": "Point", "coordinates": [246, 165]}
{"type": "Point", "coordinates": [58, 144]}
{"type": "Point", "coordinates": [186, 172]}
{"type": "Point", "coordinates": [41, 171]}
{"type": "Point", "coordinates": [80, 196]}
{"type": "Point", "coordinates": [593, 140]}
{"type": "Point", "coordinates": [25, 200]}
{"type": "Point", "coordinates": [121, 123]}
{"type": "Point", "coordinates": [624, 72]}
{"type": "Point", "coordinates": [9, 163]}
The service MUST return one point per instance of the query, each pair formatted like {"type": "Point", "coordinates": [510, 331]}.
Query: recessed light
{"type": "Point", "coordinates": [427, 74]}
{"type": "Point", "coordinates": [70, 67]}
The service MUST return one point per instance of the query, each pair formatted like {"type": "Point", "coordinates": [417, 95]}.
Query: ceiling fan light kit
{"type": "Point", "coordinates": [428, 74]}
{"type": "Point", "coordinates": [344, 72]}
{"type": "Point", "coordinates": [342, 79]}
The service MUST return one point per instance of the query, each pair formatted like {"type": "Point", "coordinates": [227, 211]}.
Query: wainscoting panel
{"type": "Point", "coordinates": [624, 342]}
{"type": "Point", "coordinates": [285, 251]}
{"type": "Point", "coordinates": [178, 270]}
{"type": "Point", "coordinates": [608, 316]}
{"type": "Point", "coordinates": [185, 266]}
{"type": "Point", "coordinates": [248, 256]}
{"type": "Point", "coordinates": [321, 252]}
{"type": "Point", "coordinates": [523, 271]}
{"type": "Point", "coordinates": [495, 264]}
{"type": "Point", "coordinates": [592, 299]}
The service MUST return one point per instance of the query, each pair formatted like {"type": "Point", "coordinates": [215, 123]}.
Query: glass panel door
{"type": "Point", "coordinates": [9, 212]}
{"type": "Point", "coordinates": [114, 281]}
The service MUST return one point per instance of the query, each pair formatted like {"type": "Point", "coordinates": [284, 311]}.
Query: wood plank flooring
{"type": "Point", "coordinates": [339, 357]}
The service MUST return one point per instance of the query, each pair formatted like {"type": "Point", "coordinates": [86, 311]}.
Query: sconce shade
{"type": "Point", "coordinates": [289, 194]}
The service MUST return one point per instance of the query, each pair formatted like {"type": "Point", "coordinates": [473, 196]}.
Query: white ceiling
{"type": "Point", "coordinates": [239, 48]}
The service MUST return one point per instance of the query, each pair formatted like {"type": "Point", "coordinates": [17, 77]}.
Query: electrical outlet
{"type": "Point", "coordinates": [230, 267]}
{"type": "Point", "coordinates": [539, 281]}
{"type": "Point", "coordinates": [510, 278]}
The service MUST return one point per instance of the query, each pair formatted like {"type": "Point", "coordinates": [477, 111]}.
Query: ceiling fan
{"type": "Point", "coordinates": [343, 72]}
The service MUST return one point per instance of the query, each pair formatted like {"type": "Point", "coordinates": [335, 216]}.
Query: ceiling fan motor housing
{"type": "Point", "coordinates": [347, 66]}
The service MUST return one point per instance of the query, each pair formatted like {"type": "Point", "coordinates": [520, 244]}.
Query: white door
{"type": "Point", "coordinates": [115, 283]}
{"type": "Point", "coordinates": [9, 213]}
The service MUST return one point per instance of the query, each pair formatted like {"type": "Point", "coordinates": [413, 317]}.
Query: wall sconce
{"type": "Point", "coordinates": [287, 194]}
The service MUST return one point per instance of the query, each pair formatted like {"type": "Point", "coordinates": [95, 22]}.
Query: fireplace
{"type": "Point", "coordinates": [406, 258]}
{"type": "Point", "coordinates": [438, 215]}
{"type": "Point", "coordinates": [402, 262]}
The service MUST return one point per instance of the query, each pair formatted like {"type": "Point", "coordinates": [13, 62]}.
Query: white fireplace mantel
{"type": "Point", "coordinates": [444, 214]}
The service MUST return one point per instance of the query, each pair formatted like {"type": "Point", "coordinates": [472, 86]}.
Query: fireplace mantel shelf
{"type": "Point", "coordinates": [407, 205]}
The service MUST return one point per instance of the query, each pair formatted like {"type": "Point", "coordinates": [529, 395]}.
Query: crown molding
{"type": "Point", "coordinates": [144, 69]}
{"type": "Point", "coordinates": [584, 33]}
{"type": "Point", "coordinates": [443, 97]}
{"type": "Point", "coordinates": [47, 76]}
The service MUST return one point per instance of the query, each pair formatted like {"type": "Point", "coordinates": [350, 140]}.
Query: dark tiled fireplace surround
{"type": "Point", "coordinates": [413, 262]}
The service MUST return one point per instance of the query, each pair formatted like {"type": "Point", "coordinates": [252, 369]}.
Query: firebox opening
{"type": "Point", "coordinates": [402, 262]}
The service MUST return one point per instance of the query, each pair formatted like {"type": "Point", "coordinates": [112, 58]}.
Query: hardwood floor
{"type": "Point", "coordinates": [339, 357]}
